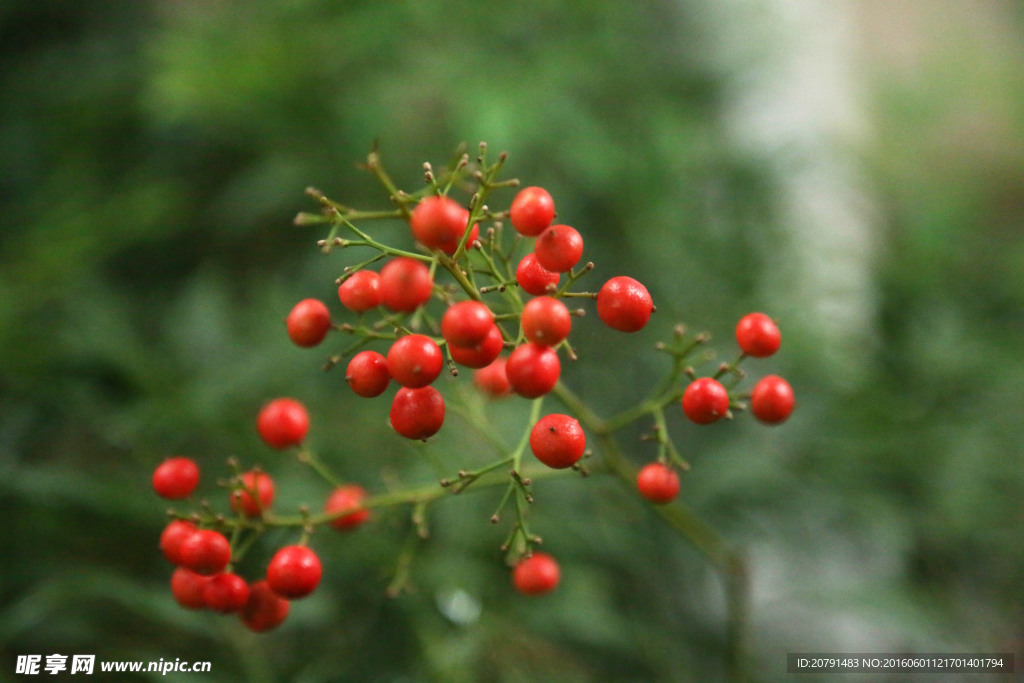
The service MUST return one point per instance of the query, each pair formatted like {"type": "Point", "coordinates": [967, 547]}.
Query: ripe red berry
{"type": "Point", "coordinates": [758, 335]}
{"type": "Point", "coordinates": [658, 483]}
{"type": "Point", "coordinates": [173, 535]}
{"type": "Point", "coordinates": [533, 370]}
{"type": "Point", "coordinates": [558, 441]}
{"type": "Point", "coordinates": [772, 400]}
{"type": "Point", "coordinates": [283, 422]}
{"type": "Point", "coordinates": [308, 322]}
{"type": "Point", "coordinates": [534, 278]}
{"type": "Point", "coordinates": [536, 574]}
{"type": "Point", "coordinates": [368, 374]}
{"type": "Point", "coordinates": [492, 380]}
{"type": "Point", "coordinates": [176, 478]}
{"type": "Point", "coordinates": [546, 321]}
{"type": "Point", "coordinates": [559, 248]}
{"type": "Point", "coordinates": [188, 588]}
{"type": "Point", "coordinates": [348, 497]}
{"type": "Point", "coordinates": [405, 284]}
{"type": "Point", "coordinates": [265, 609]}
{"type": "Point", "coordinates": [360, 291]}
{"type": "Point", "coordinates": [417, 413]}
{"type": "Point", "coordinates": [466, 323]}
{"type": "Point", "coordinates": [624, 304]}
{"type": "Point", "coordinates": [532, 211]}
{"type": "Point", "coordinates": [226, 593]}
{"type": "Point", "coordinates": [415, 360]}
{"type": "Point", "coordinates": [481, 354]}
{"type": "Point", "coordinates": [205, 552]}
{"type": "Point", "coordinates": [242, 500]}
{"type": "Point", "coordinates": [294, 572]}
{"type": "Point", "coordinates": [705, 401]}
{"type": "Point", "coordinates": [439, 222]}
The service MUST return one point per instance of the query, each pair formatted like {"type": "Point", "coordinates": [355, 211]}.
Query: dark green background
{"type": "Point", "coordinates": [153, 154]}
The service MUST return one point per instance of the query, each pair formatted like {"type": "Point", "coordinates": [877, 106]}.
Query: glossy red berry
{"type": "Point", "coordinates": [348, 497]}
{"type": "Point", "coordinates": [415, 360]}
{"type": "Point", "coordinates": [264, 609]}
{"type": "Point", "coordinates": [558, 441]}
{"type": "Point", "coordinates": [173, 535]}
{"type": "Point", "coordinates": [533, 370]}
{"type": "Point", "coordinates": [205, 552]}
{"type": "Point", "coordinates": [758, 335]}
{"type": "Point", "coordinates": [368, 374]}
{"type": "Point", "coordinates": [624, 304]}
{"type": "Point", "coordinates": [242, 499]}
{"type": "Point", "coordinates": [405, 284]}
{"type": "Point", "coordinates": [492, 380]}
{"type": "Point", "coordinates": [546, 320]}
{"type": "Point", "coordinates": [226, 593]}
{"type": "Point", "coordinates": [176, 478]}
{"type": "Point", "coordinates": [705, 401]}
{"type": "Point", "coordinates": [532, 211]}
{"type": "Point", "coordinates": [658, 483]}
{"type": "Point", "coordinates": [481, 354]}
{"type": "Point", "coordinates": [534, 278]}
{"type": "Point", "coordinates": [466, 323]}
{"type": "Point", "coordinates": [360, 291]}
{"type": "Point", "coordinates": [439, 222]}
{"type": "Point", "coordinates": [417, 413]}
{"type": "Point", "coordinates": [308, 322]}
{"type": "Point", "coordinates": [294, 572]}
{"type": "Point", "coordinates": [772, 400]}
{"type": "Point", "coordinates": [559, 248]}
{"type": "Point", "coordinates": [283, 422]}
{"type": "Point", "coordinates": [537, 574]}
{"type": "Point", "coordinates": [188, 588]}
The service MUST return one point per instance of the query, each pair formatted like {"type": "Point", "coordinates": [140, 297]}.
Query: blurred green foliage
{"type": "Point", "coordinates": [154, 154]}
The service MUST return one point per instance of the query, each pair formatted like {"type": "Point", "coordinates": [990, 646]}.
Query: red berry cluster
{"type": "Point", "coordinates": [463, 291]}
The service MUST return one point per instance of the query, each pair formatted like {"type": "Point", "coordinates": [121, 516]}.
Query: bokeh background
{"type": "Point", "coordinates": [853, 167]}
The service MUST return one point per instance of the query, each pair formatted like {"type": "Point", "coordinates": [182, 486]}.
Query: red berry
{"type": "Point", "coordinates": [176, 478]}
{"type": "Point", "coordinates": [533, 370]}
{"type": "Point", "coordinates": [368, 374]}
{"type": "Point", "coordinates": [481, 354]}
{"type": "Point", "coordinates": [188, 588]}
{"type": "Point", "coordinates": [405, 284]}
{"type": "Point", "coordinates": [536, 574]}
{"type": "Point", "coordinates": [417, 413]}
{"type": "Point", "coordinates": [348, 497]}
{"type": "Point", "coordinates": [294, 572]}
{"type": "Point", "coordinates": [658, 483]}
{"type": "Point", "coordinates": [466, 323]}
{"type": "Point", "coordinates": [558, 248]}
{"type": "Point", "coordinates": [243, 501]}
{"type": "Point", "coordinates": [534, 278]}
{"type": "Point", "coordinates": [283, 422]}
{"type": "Point", "coordinates": [546, 321]}
{"type": "Point", "coordinates": [415, 360]}
{"type": "Point", "coordinates": [624, 304]}
{"type": "Point", "coordinates": [265, 609]}
{"type": "Point", "coordinates": [360, 291]}
{"type": "Point", "coordinates": [308, 322]}
{"type": "Point", "coordinates": [758, 335]}
{"type": "Point", "coordinates": [705, 401]}
{"type": "Point", "coordinates": [558, 441]}
{"type": "Point", "coordinates": [173, 535]}
{"type": "Point", "coordinates": [532, 211]}
{"type": "Point", "coordinates": [492, 380]}
{"type": "Point", "coordinates": [439, 222]}
{"type": "Point", "coordinates": [226, 593]}
{"type": "Point", "coordinates": [205, 552]}
{"type": "Point", "coordinates": [772, 400]}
